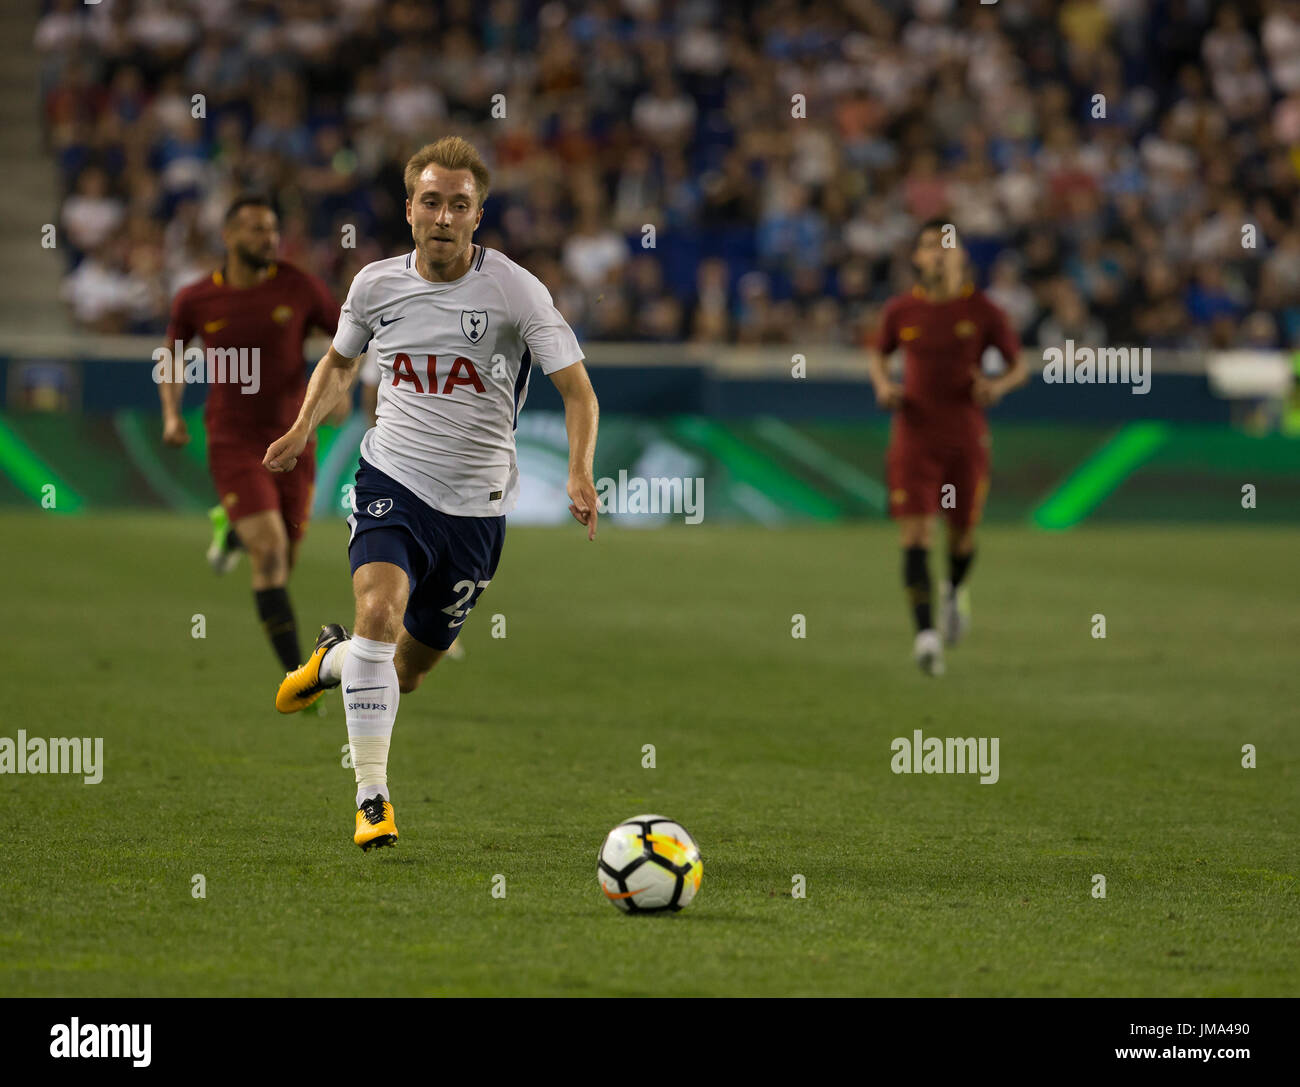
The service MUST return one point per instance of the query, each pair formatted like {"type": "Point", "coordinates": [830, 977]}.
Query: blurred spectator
{"type": "Point", "coordinates": [91, 213]}
{"type": "Point", "coordinates": [107, 293]}
{"type": "Point", "coordinates": [794, 233]}
{"type": "Point", "coordinates": [1280, 36]}
{"type": "Point", "coordinates": [1280, 278]}
{"type": "Point", "coordinates": [592, 251]}
{"type": "Point", "coordinates": [664, 115]}
{"type": "Point", "coordinates": [1210, 296]}
{"type": "Point", "coordinates": [709, 319]}
{"type": "Point", "coordinates": [1009, 292]}
{"type": "Point", "coordinates": [1069, 320]}
{"type": "Point", "coordinates": [1258, 332]}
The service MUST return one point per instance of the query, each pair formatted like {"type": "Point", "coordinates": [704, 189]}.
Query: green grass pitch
{"type": "Point", "coordinates": [1120, 757]}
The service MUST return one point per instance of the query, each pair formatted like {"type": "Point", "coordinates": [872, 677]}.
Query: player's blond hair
{"type": "Point", "coordinates": [451, 153]}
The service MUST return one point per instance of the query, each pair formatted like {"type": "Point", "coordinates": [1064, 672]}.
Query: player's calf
{"type": "Point", "coordinates": [954, 612]}
{"type": "Point", "coordinates": [266, 540]}
{"type": "Point", "coordinates": [414, 661]}
{"type": "Point", "coordinates": [927, 649]}
{"type": "Point", "coordinates": [916, 583]}
{"type": "Point", "coordinates": [954, 607]}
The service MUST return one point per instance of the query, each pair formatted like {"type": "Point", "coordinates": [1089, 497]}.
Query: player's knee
{"type": "Point", "coordinates": [269, 559]}
{"type": "Point", "coordinates": [961, 538]}
{"type": "Point", "coordinates": [408, 683]}
{"type": "Point", "coordinates": [916, 536]}
{"type": "Point", "coordinates": [377, 617]}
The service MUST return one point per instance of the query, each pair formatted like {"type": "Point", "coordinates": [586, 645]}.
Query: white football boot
{"type": "Point", "coordinates": [927, 651]}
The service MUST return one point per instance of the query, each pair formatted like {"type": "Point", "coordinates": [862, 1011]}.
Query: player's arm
{"type": "Point", "coordinates": [324, 315]}
{"type": "Point", "coordinates": [341, 409]}
{"type": "Point", "coordinates": [337, 411]}
{"type": "Point", "coordinates": [889, 394]}
{"type": "Point", "coordinates": [330, 380]}
{"type": "Point", "coordinates": [581, 417]}
{"type": "Point", "coordinates": [987, 391]}
{"type": "Point", "coordinates": [168, 373]}
{"type": "Point", "coordinates": [170, 391]}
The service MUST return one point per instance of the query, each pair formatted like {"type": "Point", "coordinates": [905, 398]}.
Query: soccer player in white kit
{"type": "Point", "coordinates": [457, 330]}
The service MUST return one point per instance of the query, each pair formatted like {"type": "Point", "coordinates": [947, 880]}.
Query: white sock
{"type": "Point", "coordinates": [370, 697]}
{"type": "Point", "coordinates": [331, 665]}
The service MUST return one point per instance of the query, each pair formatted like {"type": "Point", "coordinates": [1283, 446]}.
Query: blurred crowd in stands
{"type": "Point", "coordinates": [1122, 171]}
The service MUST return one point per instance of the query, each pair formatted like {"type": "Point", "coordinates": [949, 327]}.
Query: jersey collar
{"type": "Point", "coordinates": [219, 276]}
{"type": "Point", "coordinates": [475, 263]}
{"type": "Point", "coordinates": [966, 291]}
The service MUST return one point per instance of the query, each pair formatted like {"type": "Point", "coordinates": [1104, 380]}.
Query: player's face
{"type": "Point", "coordinates": [930, 257]}
{"type": "Point", "coordinates": [443, 213]}
{"type": "Point", "coordinates": [939, 265]}
{"type": "Point", "coordinates": [253, 236]}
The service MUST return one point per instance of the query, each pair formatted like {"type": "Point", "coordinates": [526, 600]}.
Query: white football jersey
{"type": "Point", "coordinates": [454, 363]}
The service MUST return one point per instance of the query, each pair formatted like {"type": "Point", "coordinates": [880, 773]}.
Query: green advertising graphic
{"type": "Point", "coordinates": [763, 470]}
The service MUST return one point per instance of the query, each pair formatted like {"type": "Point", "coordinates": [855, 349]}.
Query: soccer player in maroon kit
{"type": "Point", "coordinates": [255, 302]}
{"type": "Point", "coordinates": [938, 457]}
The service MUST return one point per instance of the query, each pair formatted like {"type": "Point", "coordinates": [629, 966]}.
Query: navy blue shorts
{"type": "Point", "coordinates": [450, 560]}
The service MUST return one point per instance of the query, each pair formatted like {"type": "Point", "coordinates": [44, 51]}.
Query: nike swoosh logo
{"type": "Point", "coordinates": [215, 326]}
{"type": "Point", "coordinates": [355, 690]}
{"type": "Point", "coordinates": [624, 894]}
{"type": "Point", "coordinates": [383, 322]}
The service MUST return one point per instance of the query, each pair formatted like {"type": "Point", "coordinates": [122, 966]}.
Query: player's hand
{"type": "Point", "coordinates": [175, 432]}
{"type": "Point", "coordinates": [984, 392]}
{"type": "Point", "coordinates": [583, 505]}
{"type": "Point", "coordinates": [283, 453]}
{"type": "Point", "coordinates": [889, 395]}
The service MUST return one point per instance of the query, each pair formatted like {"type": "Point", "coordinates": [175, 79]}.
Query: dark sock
{"type": "Point", "coordinates": [232, 540]}
{"type": "Point", "coordinates": [958, 566]}
{"type": "Point", "coordinates": [276, 613]}
{"type": "Point", "coordinates": [916, 578]}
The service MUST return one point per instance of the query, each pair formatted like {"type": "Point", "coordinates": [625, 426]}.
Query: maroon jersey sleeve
{"type": "Point", "coordinates": [180, 325]}
{"type": "Point", "coordinates": [886, 338]}
{"type": "Point", "coordinates": [1000, 334]}
{"type": "Point", "coordinates": [324, 311]}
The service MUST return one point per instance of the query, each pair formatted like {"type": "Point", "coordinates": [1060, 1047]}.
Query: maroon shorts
{"type": "Point", "coordinates": [938, 475]}
{"type": "Point", "coordinates": [244, 487]}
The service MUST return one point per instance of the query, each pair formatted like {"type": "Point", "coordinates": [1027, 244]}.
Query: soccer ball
{"type": "Point", "coordinates": [649, 864]}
